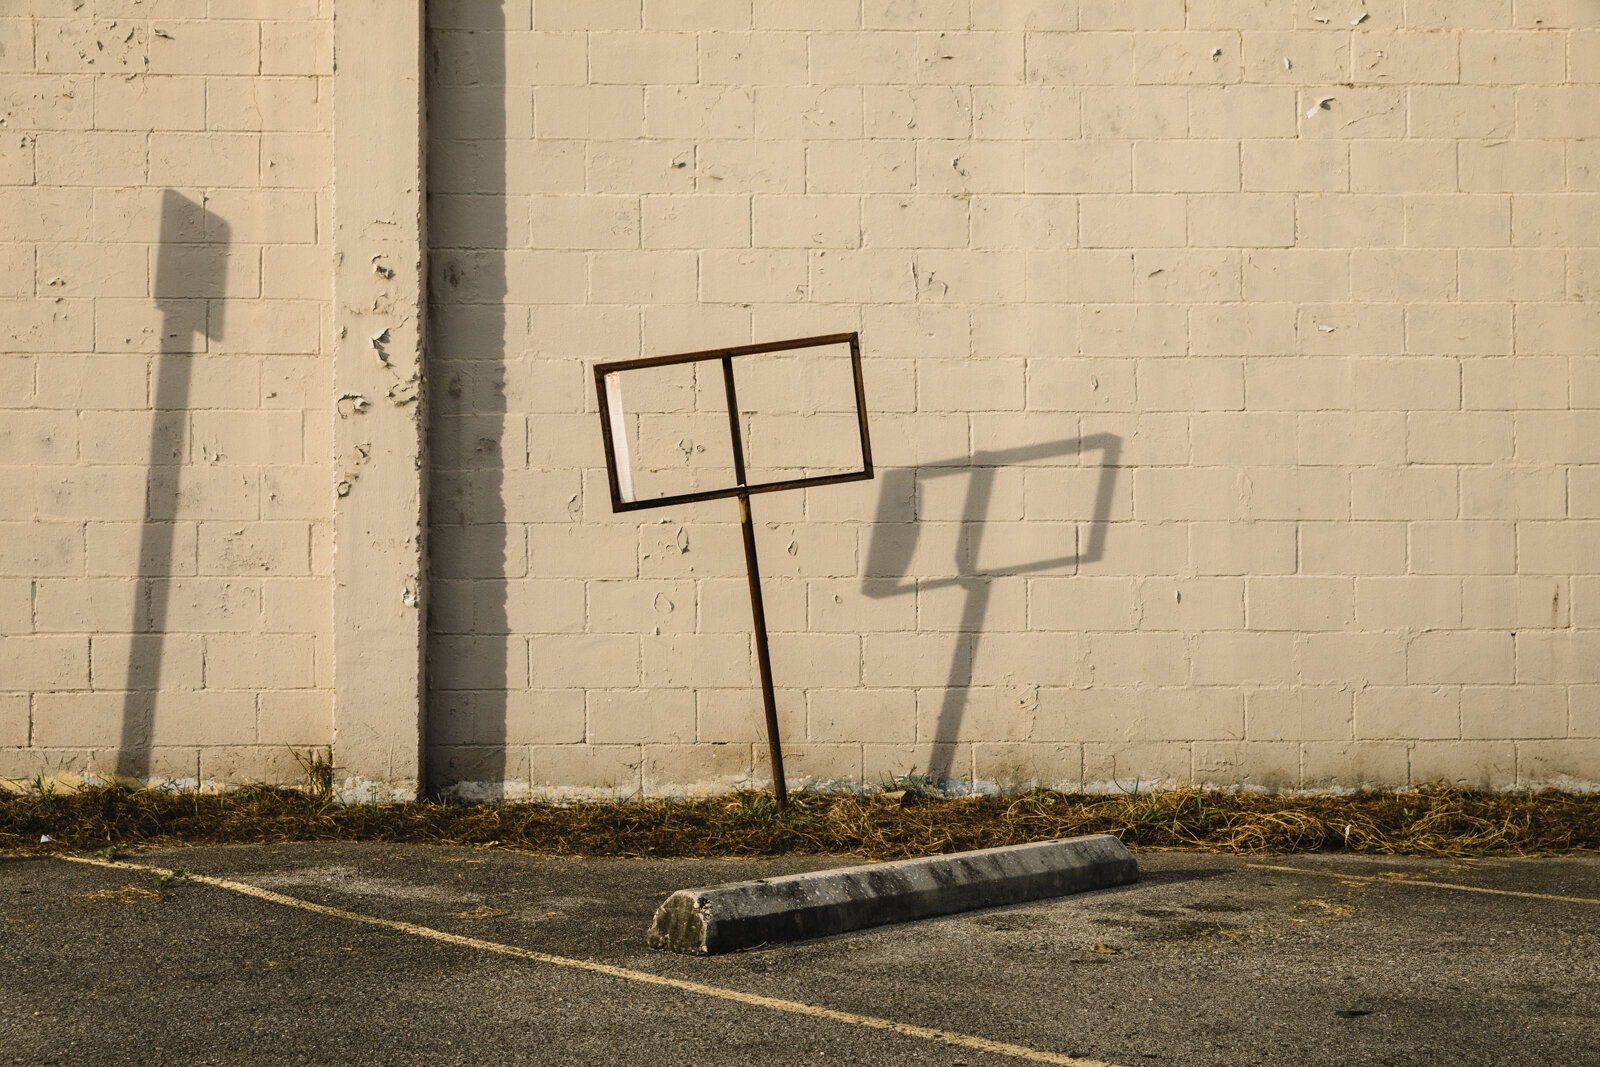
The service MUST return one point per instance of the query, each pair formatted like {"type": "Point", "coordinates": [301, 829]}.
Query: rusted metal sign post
{"type": "Point", "coordinates": [614, 431]}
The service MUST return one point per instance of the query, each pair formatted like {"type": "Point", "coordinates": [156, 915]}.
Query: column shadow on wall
{"type": "Point", "coordinates": [191, 268]}
{"type": "Point", "coordinates": [468, 732]}
{"type": "Point", "coordinates": [891, 551]}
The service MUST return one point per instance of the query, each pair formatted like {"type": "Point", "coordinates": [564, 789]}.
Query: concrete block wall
{"type": "Point", "coordinates": [1274, 320]}
{"type": "Point", "coordinates": [165, 438]}
{"type": "Point", "coordinates": [1231, 363]}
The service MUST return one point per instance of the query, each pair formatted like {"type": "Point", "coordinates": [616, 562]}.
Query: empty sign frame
{"type": "Point", "coordinates": [734, 422]}
{"type": "Point", "coordinates": [678, 434]}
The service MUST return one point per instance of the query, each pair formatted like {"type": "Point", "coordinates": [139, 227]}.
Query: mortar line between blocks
{"type": "Point", "coordinates": [794, 1007]}
{"type": "Point", "coordinates": [1421, 882]}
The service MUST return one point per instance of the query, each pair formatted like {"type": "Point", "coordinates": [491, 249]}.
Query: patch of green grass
{"type": "Point", "coordinates": [764, 808]}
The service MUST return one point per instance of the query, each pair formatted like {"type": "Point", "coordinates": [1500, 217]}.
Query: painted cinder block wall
{"type": "Point", "coordinates": [1275, 317]}
{"type": "Point", "coordinates": [165, 388]}
{"type": "Point", "coordinates": [1321, 273]}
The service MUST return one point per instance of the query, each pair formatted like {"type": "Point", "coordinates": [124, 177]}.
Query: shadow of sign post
{"type": "Point", "coordinates": [890, 557]}
{"type": "Point", "coordinates": [191, 268]}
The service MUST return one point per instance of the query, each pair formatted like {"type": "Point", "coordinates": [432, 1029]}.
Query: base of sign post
{"type": "Point", "coordinates": [758, 612]}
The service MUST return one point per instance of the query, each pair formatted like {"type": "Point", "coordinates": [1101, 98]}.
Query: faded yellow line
{"type": "Point", "coordinates": [1419, 881]}
{"type": "Point", "coordinates": [793, 1007]}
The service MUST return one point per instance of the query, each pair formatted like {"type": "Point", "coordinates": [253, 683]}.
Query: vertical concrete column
{"type": "Point", "coordinates": [380, 513]}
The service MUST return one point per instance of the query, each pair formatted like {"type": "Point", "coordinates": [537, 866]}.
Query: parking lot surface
{"type": "Point", "coordinates": [375, 953]}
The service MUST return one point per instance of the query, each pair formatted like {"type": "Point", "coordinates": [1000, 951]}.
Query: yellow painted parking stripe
{"type": "Point", "coordinates": [793, 1007]}
{"type": "Point", "coordinates": [1418, 881]}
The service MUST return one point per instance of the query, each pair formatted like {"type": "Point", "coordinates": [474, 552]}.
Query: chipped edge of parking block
{"type": "Point", "coordinates": [726, 918]}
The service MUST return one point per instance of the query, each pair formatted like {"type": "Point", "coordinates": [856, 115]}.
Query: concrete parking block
{"type": "Point", "coordinates": [726, 918]}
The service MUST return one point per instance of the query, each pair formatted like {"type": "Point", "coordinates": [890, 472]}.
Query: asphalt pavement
{"type": "Point", "coordinates": [376, 954]}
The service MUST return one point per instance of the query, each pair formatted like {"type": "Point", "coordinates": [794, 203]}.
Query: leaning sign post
{"type": "Point", "coordinates": [618, 427]}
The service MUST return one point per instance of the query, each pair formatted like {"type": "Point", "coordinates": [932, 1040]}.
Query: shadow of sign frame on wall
{"type": "Point", "coordinates": [890, 554]}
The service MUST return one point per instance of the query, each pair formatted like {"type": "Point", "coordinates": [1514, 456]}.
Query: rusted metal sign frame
{"type": "Point", "coordinates": [741, 490]}
{"type": "Point", "coordinates": [727, 355]}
